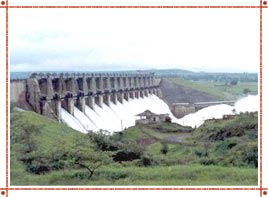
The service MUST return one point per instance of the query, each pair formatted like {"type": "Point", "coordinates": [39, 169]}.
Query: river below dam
{"type": "Point", "coordinates": [117, 117]}
{"type": "Point", "coordinates": [249, 103]}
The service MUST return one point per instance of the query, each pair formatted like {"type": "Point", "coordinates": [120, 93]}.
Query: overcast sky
{"type": "Point", "coordinates": [222, 40]}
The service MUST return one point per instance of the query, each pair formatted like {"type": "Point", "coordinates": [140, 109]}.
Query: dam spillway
{"type": "Point", "coordinates": [91, 101]}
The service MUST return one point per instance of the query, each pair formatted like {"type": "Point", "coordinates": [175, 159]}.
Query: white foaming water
{"type": "Point", "coordinates": [119, 116]}
{"type": "Point", "coordinates": [71, 121]}
{"type": "Point", "coordinates": [126, 118]}
{"type": "Point", "coordinates": [86, 122]}
{"type": "Point", "coordinates": [198, 118]}
{"type": "Point", "coordinates": [250, 103]}
{"type": "Point", "coordinates": [93, 116]}
{"type": "Point", "coordinates": [108, 118]}
{"type": "Point", "coordinates": [246, 104]}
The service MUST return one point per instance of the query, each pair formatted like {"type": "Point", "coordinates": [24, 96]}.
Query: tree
{"type": "Point", "coordinates": [233, 82]}
{"type": "Point", "coordinates": [103, 142]}
{"type": "Point", "coordinates": [24, 132]}
{"type": "Point", "coordinates": [246, 91]}
{"type": "Point", "coordinates": [84, 156]}
{"type": "Point", "coordinates": [90, 160]}
{"type": "Point", "coordinates": [27, 136]}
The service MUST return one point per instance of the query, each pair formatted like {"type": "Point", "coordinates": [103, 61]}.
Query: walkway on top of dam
{"type": "Point", "coordinates": [26, 75]}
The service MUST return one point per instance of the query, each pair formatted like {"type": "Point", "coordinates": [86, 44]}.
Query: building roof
{"type": "Point", "coordinates": [148, 113]}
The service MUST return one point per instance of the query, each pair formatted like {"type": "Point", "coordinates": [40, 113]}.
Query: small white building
{"type": "Point", "coordinates": [150, 117]}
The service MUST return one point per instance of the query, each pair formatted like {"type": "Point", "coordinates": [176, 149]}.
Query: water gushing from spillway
{"type": "Point", "coordinates": [246, 104]}
{"type": "Point", "coordinates": [117, 117]}
{"type": "Point", "coordinates": [71, 121]}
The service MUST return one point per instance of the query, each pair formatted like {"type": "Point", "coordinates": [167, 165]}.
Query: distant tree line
{"type": "Point", "coordinates": [216, 77]}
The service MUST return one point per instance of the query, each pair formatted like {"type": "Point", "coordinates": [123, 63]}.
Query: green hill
{"type": "Point", "coordinates": [219, 90]}
{"type": "Point", "coordinates": [44, 152]}
{"type": "Point", "coordinates": [231, 141]}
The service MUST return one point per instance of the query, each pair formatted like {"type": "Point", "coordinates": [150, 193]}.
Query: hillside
{"type": "Point", "coordinates": [44, 152]}
{"type": "Point", "coordinates": [231, 141]}
{"type": "Point", "coordinates": [180, 93]}
{"type": "Point", "coordinates": [179, 90]}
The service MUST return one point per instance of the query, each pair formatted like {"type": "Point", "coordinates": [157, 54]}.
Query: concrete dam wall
{"type": "Point", "coordinates": [53, 95]}
{"type": "Point", "coordinates": [17, 90]}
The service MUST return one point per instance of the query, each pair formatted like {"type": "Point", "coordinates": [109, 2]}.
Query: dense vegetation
{"type": "Point", "coordinates": [221, 152]}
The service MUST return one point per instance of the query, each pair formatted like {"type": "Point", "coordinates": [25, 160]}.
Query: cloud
{"type": "Point", "coordinates": [113, 39]}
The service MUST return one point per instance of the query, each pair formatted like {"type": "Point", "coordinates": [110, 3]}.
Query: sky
{"type": "Point", "coordinates": [211, 40]}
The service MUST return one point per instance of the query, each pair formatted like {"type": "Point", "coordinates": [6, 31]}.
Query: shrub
{"type": "Point", "coordinates": [146, 160]}
{"type": "Point", "coordinates": [168, 119]}
{"type": "Point", "coordinates": [125, 156]}
{"type": "Point", "coordinates": [246, 91]}
{"type": "Point", "coordinates": [233, 82]}
{"type": "Point", "coordinates": [164, 149]}
{"type": "Point", "coordinates": [207, 161]}
{"type": "Point", "coordinates": [227, 144]}
{"type": "Point", "coordinates": [103, 142]}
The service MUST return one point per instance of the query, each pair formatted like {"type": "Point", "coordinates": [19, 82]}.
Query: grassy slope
{"type": "Point", "coordinates": [230, 142]}
{"type": "Point", "coordinates": [171, 175]}
{"type": "Point", "coordinates": [156, 131]}
{"type": "Point", "coordinates": [238, 125]}
{"type": "Point", "coordinates": [55, 137]}
{"type": "Point", "coordinates": [221, 92]}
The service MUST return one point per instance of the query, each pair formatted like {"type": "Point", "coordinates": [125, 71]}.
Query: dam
{"type": "Point", "coordinates": [89, 101]}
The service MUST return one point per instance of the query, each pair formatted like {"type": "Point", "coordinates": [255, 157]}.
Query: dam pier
{"type": "Point", "coordinates": [48, 93]}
